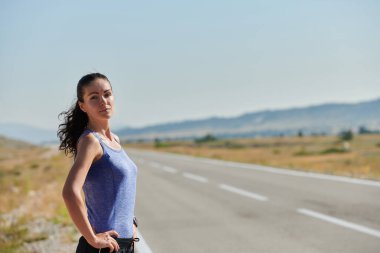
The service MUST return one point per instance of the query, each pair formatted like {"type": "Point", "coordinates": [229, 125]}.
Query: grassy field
{"type": "Point", "coordinates": [359, 158]}
{"type": "Point", "coordinates": [32, 177]}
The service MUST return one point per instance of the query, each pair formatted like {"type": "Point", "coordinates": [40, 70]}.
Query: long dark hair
{"type": "Point", "coordinates": [75, 120]}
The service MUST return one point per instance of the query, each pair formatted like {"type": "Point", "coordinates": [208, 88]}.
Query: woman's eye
{"type": "Point", "coordinates": [93, 97]}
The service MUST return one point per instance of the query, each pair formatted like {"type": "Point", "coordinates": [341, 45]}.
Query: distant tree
{"type": "Point", "coordinates": [158, 143]}
{"type": "Point", "coordinates": [300, 133]}
{"type": "Point", "coordinates": [346, 135]}
{"type": "Point", "coordinates": [206, 138]}
{"type": "Point", "coordinates": [364, 130]}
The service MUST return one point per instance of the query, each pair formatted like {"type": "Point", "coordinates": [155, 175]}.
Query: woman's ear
{"type": "Point", "coordinates": [81, 106]}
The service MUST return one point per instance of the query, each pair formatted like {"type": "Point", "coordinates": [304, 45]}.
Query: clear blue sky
{"type": "Point", "coordinates": [176, 60]}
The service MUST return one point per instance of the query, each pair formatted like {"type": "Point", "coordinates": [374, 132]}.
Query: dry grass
{"type": "Point", "coordinates": [25, 173]}
{"type": "Point", "coordinates": [324, 154]}
{"type": "Point", "coordinates": [31, 179]}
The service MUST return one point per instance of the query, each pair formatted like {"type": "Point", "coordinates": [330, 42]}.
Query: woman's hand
{"type": "Point", "coordinates": [105, 240]}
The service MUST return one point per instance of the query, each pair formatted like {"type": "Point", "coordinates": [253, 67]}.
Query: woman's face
{"type": "Point", "coordinates": [98, 100]}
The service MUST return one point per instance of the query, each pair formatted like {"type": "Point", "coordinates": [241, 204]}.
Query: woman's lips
{"type": "Point", "coordinates": [107, 109]}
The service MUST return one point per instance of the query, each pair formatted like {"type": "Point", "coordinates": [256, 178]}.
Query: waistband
{"type": "Point", "coordinates": [126, 241]}
{"type": "Point", "coordinates": [126, 245]}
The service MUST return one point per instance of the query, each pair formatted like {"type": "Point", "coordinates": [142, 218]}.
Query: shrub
{"type": "Point", "coordinates": [346, 135]}
{"type": "Point", "coordinates": [206, 138]}
{"type": "Point", "coordinates": [332, 151]}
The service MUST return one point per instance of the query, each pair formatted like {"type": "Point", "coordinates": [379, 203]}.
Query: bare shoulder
{"type": "Point", "coordinates": [88, 147]}
{"type": "Point", "coordinates": [87, 141]}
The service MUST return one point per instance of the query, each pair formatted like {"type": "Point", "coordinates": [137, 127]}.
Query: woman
{"type": "Point", "coordinates": [102, 168]}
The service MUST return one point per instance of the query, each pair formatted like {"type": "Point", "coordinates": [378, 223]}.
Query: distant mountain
{"type": "Point", "coordinates": [27, 133]}
{"type": "Point", "coordinates": [320, 119]}
{"type": "Point", "coordinates": [9, 142]}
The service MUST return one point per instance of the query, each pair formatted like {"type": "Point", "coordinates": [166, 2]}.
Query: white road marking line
{"type": "Point", "coordinates": [155, 165]}
{"type": "Point", "coordinates": [281, 171]}
{"type": "Point", "coordinates": [141, 246]}
{"type": "Point", "coordinates": [289, 172]}
{"type": "Point", "coordinates": [243, 192]}
{"type": "Point", "coordinates": [195, 177]}
{"type": "Point", "coordinates": [169, 169]}
{"type": "Point", "coordinates": [340, 222]}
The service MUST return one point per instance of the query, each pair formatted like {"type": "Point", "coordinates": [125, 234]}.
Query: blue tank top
{"type": "Point", "coordinates": [110, 191]}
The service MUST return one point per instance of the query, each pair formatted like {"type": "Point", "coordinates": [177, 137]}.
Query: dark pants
{"type": "Point", "coordinates": [126, 246]}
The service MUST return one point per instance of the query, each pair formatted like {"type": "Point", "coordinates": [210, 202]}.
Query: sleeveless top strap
{"type": "Point", "coordinates": [102, 142]}
{"type": "Point", "coordinates": [86, 132]}
{"type": "Point", "coordinates": [116, 139]}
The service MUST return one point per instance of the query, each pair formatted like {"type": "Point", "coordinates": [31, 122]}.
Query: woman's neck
{"type": "Point", "coordinates": [102, 129]}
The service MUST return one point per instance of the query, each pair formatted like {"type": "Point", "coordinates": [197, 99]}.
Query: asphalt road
{"type": "Point", "coordinates": [187, 204]}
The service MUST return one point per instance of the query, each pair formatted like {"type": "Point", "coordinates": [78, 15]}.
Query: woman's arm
{"type": "Point", "coordinates": [88, 149]}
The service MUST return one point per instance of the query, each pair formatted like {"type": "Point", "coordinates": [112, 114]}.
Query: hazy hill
{"type": "Point", "coordinates": [9, 142]}
{"type": "Point", "coordinates": [320, 119]}
{"type": "Point", "coordinates": [28, 133]}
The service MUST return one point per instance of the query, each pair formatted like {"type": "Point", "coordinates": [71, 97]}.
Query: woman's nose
{"type": "Point", "coordinates": [103, 100]}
